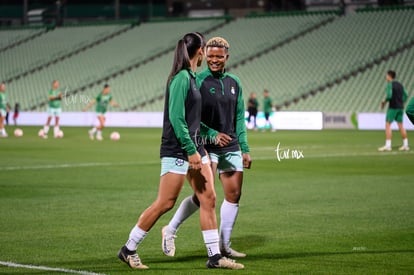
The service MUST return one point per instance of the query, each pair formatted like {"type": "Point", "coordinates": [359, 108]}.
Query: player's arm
{"type": "Point", "coordinates": [113, 103]}
{"type": "Point", "coordinates": [241, 124]}
{"type": "Point", "coordinates": [178, 92]}
{"type": "Point", "coordinates": [388, 95]}
{"type": "Point", "coordinates": [210, 134]}
{"type": "Point", "coordinates": [405, 95]}
{"type": "Point", "coordinates": [55, 97]}
{"type": "Point", "coordinates": [241, 131]}
{"type": "Point", "coordinates": [92, 102]}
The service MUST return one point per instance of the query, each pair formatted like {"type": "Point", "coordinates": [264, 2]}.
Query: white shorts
{"type": "Point", "coordinates": [228, 162]}
{"type": "Point", "coordinates": [54, 111]}
{"type": "Point", "coordinates": [178, 166]}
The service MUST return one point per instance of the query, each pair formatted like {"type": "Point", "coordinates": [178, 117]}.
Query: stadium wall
{"type": "Point", "coordinates": [280, 120]}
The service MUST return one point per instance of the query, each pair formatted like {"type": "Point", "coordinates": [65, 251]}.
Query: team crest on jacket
{"type": "Point", "coordinates": [179, 162]}
{"type": "Point", "coordinates": [233, 91]}
{"type": "Point", "coordinates": [212, 90]}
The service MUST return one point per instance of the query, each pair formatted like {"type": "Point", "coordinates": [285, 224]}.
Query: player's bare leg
{"type": "Point", "coordinates": [99, 128]}
{"type": "Point", "coordinates": [403, 133]}
{"type": "Point", "coordinates": [388, 137]}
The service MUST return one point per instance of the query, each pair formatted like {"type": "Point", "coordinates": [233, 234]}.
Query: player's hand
{"type": "Point", "coordinates": [247, 161]}
{"type": "Point", "coordinates": [383, 104]}
{"type": "Point", "coordinates": [195, 161]}
{"type": "Point", "coordinates": [222, 139]}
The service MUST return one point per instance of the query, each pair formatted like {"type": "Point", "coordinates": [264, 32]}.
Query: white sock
{"type": "Point", "coordinates": [93, 131]}
{"type": "Point", "coordinates": [56, 130]}
{"type": "Point", "coordinates": [228, 214]}
{"type": "Point", "coordinates": [405, 142]}
{"type": "Point", "coordinates": [135, 238]}
{"type": "Point", "coordinates": [211, 239]}
{"type": "Point", "coordinates": [185, 210]}
{"type": "Point", "coordinates": [388, 142]}
{"type": "Point", "coordinates": [45, 129]}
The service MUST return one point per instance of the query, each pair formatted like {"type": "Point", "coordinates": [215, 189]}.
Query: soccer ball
{"type": "Point", "coordinates": [18, 132]}
{"type": "Point", "coordinates": [115, 136]}
{"type": "Point", "coordinates": [59, 134]}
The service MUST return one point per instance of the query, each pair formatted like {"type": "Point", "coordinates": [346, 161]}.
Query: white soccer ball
{"type": "Point", "coordinates": [18, 132]}
{"type": "Point", "coordinates": [59, 134]}
{"type": "Point", "coordinates": [115, 136]}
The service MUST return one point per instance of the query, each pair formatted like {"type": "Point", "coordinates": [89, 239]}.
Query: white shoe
{"type": "Point", "coordinates": [404, 148]}
{"type": "Point", "coordinates": [4, 135]}
{"type": "Point", "coordinates": [168, 242]}
{"type": "Point", "coordinates": [384, 149]}
{"type": "Point", "coordinates": [231, 253]}
{"type": "Point", "coordinates": [98, 137]}
{"type": "Point", "coordinates": [223, 262]}
{"type": "Point", "coordinates": [91, 135]}
{"type": "Point", "coordinates": [132, 260]}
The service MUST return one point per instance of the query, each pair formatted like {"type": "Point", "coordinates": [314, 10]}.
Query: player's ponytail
{"type": "Point", "coordinates": [185, 50]}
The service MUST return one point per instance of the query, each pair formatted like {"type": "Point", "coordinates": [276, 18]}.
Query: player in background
{"type": "Point", "coordinates": [3, 109]}
{"type": "Point", "coordinates": [267, 109]}
{"type": "Point", "coordinates": [182, 155]}
{"type": "Point", "coordinates": [252, 107]}
{"type": "Point", "coordinates": [395, 96]}
{"type": "Point", "coordinates": [409, 110]}
{"type": "Point", "coordinates": [102, 100]}
{"type": "Point", "coordinates": [223, 112]}
{"type": "Point", "coordinates": [16, 113]}
{"type": "Point", "coordinates": [54, 109]}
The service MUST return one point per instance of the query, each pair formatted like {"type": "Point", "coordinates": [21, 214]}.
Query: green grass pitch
{"type": "Point", "coordinates": [325, 203]}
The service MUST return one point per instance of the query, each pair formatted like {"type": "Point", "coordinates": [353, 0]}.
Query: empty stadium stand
{"type": "Point", "coordinates": [309, 61]}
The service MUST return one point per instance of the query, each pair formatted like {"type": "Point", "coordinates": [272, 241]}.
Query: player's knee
{"type": "Point", "coordinates": [233, 196]}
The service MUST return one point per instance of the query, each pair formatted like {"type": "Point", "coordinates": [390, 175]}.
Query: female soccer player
{"type": "Point", "coordinates": [182, 154]}
{"type": "Point", "coordinates": [102, 100]}
{"type": "Point", "coordinates": [54, 108]}
{"type": "Point", "coordinates": [223, 113]}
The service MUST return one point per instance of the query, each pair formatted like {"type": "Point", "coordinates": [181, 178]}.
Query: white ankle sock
{"type": "Point", "coordinates": [135, 237]}
{"type": "Point", "coordinates": [211, 240]}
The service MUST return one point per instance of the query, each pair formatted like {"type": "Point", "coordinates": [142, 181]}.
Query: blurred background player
{"type": "Point", "coordinates": [222, 112]}
{"type": "Point", "coordinates": [395, 96]}
{"type": "Point", "coordinates": [410, 110]}
{"type": "Point", "coordinates": [252, 107]}
{"type": "Point", "coordinates": [54, 109]}
{"type": "Point", "coordinates": [16, 113]}
{"type": "Point", "coordinates": [3, 109]}
{"type": "Point", "coordinates": [102, 100]}
{"type": "Point", "coordinates": [267, 109]}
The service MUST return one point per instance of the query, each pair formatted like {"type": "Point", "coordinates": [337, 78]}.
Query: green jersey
{"type": "Point", "coordinates": [57, 102]}
{"type": "Point", "coordinates": [182, 116]}
{"type": "Point", "coordinates": [267, 105]}
{"type": "Point", "coordinates": [3, 101]}
{"type": "Point", "coordinates": [102, 102]}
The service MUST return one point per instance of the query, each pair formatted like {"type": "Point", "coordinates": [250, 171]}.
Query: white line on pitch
{"type": "Point", "coordinates": [64, 270]}
{"type": "Point", "coordinates": [71, 165]}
